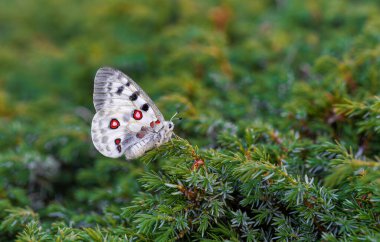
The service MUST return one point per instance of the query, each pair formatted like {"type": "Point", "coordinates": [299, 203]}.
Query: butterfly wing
{"type": "Point", "coordinates": [125, 114]}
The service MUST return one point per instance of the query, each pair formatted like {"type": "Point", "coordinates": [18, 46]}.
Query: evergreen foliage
{"type": "Point", "coordinates": [280, 136]}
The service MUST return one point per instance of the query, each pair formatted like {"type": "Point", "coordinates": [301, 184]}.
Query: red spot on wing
{"type": "Point", "coordinates": [114, 124]}
{"type": "Point", "coordinates": [137, 114]}
{"type": "Point", "coordinates": [158, 121]}
{"type": "Point", "coordinates": [117, 141]}
{"type": "Point", "coordinates": [152, 124]}
{"type": "Point", "coordinates": [140, 135]}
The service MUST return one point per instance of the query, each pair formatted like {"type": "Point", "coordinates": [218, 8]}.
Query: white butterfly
{"type": "Point", "coordinates": [126, 120]}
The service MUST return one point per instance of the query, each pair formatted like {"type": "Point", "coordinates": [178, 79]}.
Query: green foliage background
{"type": "Point", "coordinates": [280, 124]}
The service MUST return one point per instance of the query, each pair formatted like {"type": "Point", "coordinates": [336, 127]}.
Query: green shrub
{"type": "Point", "coordinates": [280, 103]}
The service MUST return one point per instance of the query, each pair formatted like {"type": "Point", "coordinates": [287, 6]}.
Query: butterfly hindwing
{"type": "Point", "coordinates": [125, 114]}
{"type": "Point", "coordinates": [109, 133]}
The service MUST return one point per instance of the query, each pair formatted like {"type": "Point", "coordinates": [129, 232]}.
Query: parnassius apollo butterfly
{"type": "Point", "coordinates": [126, 120]}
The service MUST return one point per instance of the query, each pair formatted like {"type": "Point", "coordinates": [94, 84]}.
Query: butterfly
{"type": "Point", "coordinates": [126, 120]}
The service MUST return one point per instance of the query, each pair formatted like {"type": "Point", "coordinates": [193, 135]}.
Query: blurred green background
{"type": "Point", "coordinates": [222, 64]}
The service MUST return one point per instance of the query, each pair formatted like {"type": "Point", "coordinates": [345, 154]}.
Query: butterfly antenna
{"type": "Point", "coordinates": [173, 116]}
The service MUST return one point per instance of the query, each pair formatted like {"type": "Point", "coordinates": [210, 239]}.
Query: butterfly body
{"type": "Point", "coordinates": [149, 142]}
{"type": "Point", "coordinates": [127, 121]}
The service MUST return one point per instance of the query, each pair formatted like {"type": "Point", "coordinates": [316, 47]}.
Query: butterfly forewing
{"type": "Point", "coordinates": [125, 114]}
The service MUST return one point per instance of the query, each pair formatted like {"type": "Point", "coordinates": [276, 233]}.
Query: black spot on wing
{"type": "Point", "coordinates": [128, 84]}
{"type": "Point", "coordinates": [120, 90]}
{"type": "Point", "coordinates": [134, 96]}
{"type": "Point", "coordinates": [145, 107]}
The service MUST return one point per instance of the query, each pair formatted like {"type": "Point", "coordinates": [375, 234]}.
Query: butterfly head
{"type": "Point", "coordinates": [168, 126]}
{"type": "Point", "coordinates": [166, 131]}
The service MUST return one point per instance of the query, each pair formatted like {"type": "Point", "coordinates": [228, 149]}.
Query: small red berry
{"type": "Point", "coordinates": [197, 164]}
